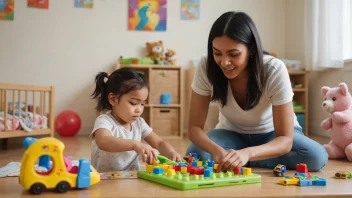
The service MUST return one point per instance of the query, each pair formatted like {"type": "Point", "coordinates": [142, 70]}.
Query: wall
{"type": "Point", "coordinates": [66, 46]}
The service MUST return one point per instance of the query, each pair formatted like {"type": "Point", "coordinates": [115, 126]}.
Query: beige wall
{"type": "Point", "coordinates": [65, 46]}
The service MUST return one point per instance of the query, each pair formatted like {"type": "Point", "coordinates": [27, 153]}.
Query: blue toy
{"type": "Point", "coordinates": [83, 178]}
{"type": "Point", "coordinates": [165, 98]}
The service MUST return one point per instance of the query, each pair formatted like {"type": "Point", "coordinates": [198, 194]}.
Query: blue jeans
{"type": "Point", "coordinates": [304, 150]}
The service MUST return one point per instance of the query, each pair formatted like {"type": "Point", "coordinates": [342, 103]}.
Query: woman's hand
{"type": "Point", "coordinates": [146, 152]}
{"type": "Point", "coordinates": [219, 155]}
{"type": "Point", "coordinates": [232, 159]}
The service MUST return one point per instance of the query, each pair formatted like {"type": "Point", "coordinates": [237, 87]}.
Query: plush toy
{"type": "Point", "coordinates": [338, 102]}
{"type": "Point", "coordinates": [170, 56]}
{"type": "Point", "coordinates": [155, 51]}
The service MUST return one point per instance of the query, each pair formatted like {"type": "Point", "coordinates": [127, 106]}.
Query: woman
{"type": "Point", "coordinates": [257, 125]}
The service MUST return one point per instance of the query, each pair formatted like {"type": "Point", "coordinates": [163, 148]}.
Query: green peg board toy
{"type": "Point", "coordinates": [184, 181]}
{"type": "Point", "coordinates": [194, 175]}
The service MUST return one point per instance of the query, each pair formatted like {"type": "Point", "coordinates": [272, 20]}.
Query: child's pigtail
{"type": "Point", "coordinates": [100, 91]}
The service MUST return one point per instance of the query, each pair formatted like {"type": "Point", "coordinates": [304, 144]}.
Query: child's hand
{"type": "Point", "coordinates": [145, 149]}
{"type": "Point", "coordinates": [174, 156]}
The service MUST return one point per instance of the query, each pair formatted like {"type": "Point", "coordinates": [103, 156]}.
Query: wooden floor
{"type": "Point", "coordinates": [80, 147]}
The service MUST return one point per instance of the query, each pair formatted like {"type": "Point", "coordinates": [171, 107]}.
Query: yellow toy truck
{"type": "Point", "coordinates": [60, 175]}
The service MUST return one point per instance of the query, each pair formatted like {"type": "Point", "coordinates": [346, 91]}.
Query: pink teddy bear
{"type": "Point", "coordinates": [338, 103]}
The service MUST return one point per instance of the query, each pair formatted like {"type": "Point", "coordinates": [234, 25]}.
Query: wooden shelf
{"type": "Point", "coordinates": [297, 72]}
{"type": "Point", "coordinates": [144, 66]}
{"type": "Point", "coordinates": [299, 89]}
{"type": "Point", "coordinates": [300, 111]}
{"type": "Point", "coordinates": [301, 97]}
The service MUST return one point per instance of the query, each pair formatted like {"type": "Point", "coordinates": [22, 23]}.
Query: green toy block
{"type": "Point", "coordinates": [184, 181]}
{"type": "Point", "coordinates": [163, 159]}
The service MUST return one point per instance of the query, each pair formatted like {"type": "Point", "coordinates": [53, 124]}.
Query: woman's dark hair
{"type": "Point", "coordinates": [120, 82]}
{"type": "Point", "coordinates": [239, 27]}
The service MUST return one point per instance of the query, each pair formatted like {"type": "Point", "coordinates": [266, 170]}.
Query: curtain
{"type": "Point", "coordinates": [323, 34]}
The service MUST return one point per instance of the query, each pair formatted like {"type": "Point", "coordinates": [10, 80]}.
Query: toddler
{"type": "Point", "coordinates": [117, 135]}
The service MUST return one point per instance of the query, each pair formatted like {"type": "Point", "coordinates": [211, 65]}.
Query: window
{"type": "Point", "coordinates": [347, 29]}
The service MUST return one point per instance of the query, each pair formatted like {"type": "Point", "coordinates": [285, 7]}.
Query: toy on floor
{"type": "Point", "coordinates": [338, 103]}
{"type": "Point", "coordinates": [118, 175]}
{"type": "Point", "coordinates": [195, 174]}
{"type": "Point", "coordinates": [61, 175]}
{"type": "Point", "coordinates": [343, 175]}
{"type": "Point", "coordinates": [302, 178]}
{"type": "Point", "coordinates": [67, 123]}
{"type": "Point", "coordinates": [279, 170]}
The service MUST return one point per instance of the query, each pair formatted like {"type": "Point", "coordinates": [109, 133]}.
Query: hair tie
{"type": "Point", "coordinates": [106, 78]}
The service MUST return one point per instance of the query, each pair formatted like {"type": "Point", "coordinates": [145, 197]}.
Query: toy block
{"type": "Point", "coordinates": [210, 164]}
{"type": "Point", "coordinates": [200, 163]}
{"type": "Point", "coordinates": [194, 164]}
{"type": "Point", "coordinates": [149, 168]}
{"type": "Point", "coordinates": [171, 172]}
{"type": "Point", "coordinates": [301, 168]}
{"type": "Point", "coordinates": [199, 171]}
{"type": "Point", "coordinates": [165, 167]}
{"type": "Point", "coordinates": [237, 170]}
{"type": "Point", "coordinates": [207, 173]}
{"type": "Point", "coordinates": [190, 159]}
{"type": "Point", "coordinates": [192, 170]}
{"type": "Point", "coordinates": [83, 176]}
{"type": "Point", "coordinates": [184, 170]}
{"type": "Point", "coordinates": [216, 166]}
{"type": "Point", "coordinates": [178, 168]}
{"type": "Point", "coordinates": [205, 163]}
{"type": "Point", "coordinates": [305, 183]}
{"type": "Point", "coordinates": [158, 171]}
{"type": "Point", "coordinates": [247, 171]}
{"type": "Point", "coordinates": [320, 182]}
{"type": "Point", "coordinates": [297, 174]}
{"type": "Point", "coordinates": [195, 155]}
{"type": "Point", "coordinates": [189, 166]}
{"type": "Point", "coordinates": [156, 162]}
{"type": "Point", "coordinates": [211, 169]}
{"type": "Point", "coordinates": [287, 180]}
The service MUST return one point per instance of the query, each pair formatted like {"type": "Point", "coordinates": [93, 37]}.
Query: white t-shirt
{"type": "Point", "coordinates": [232, 117]}
{"type": "Point", "coordinates": [123, 161]}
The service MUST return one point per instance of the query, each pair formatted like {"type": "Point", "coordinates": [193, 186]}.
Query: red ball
{"type": "Point", "coordinates": [67, 123]}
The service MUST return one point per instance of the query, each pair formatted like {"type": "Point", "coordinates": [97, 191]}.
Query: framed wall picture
{"type": "Point", "coordinates": [7, 9]}
{"type": "Point", "coordinates": [189, 9]}
{"type": "Point", "coordinates": [147, 15]}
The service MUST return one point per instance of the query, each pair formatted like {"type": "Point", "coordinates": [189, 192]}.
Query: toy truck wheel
{"type": "Point", "coordinates": [37, 188]}
{"type": "Point", "coordinates": [62, 187]}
